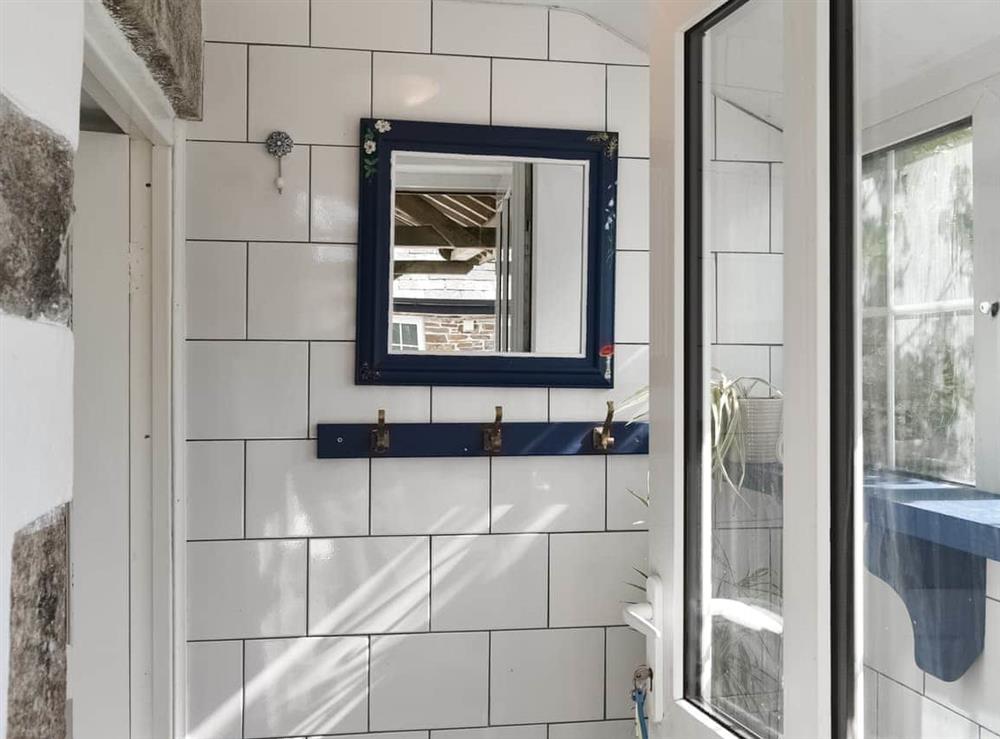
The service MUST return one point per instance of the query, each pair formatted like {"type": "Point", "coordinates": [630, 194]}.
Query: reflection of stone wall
{"type": "Point", "coordinates": [447, 333]}
{"type": "Point", "coordinates": [167, 36]}
{"type": "Point", "coordinates": [36, 201]}
{"type": "Point", "coordinates": [38, 628]}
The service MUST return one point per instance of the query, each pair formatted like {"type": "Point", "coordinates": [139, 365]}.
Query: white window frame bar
{"type": "Point", "coordinates": [807, 659]}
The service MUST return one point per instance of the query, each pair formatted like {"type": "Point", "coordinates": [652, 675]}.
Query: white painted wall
{"type": "Point", "coordinates": [482, 594]}
{"type": "Point", "coordinates": [41, 61]}
{"type": "Point", "coordinates": [36, 442]}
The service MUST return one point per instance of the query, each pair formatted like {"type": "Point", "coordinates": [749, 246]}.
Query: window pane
{"type": "Point", "coordinates": [934, 395]}
{"type": "Point", "coordinates": [874, 228]}
{"type": "Point", "coordinates": [734, 649]}
{"type": "Point", "coordinates": [932, 229]}
{"type": "Point", "coordinates": [875, 392]}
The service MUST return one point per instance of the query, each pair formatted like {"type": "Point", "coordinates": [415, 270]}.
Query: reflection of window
{"type": "Point", "coordinates": [918, 342]}
{"type": "Point", "coordinates": [407, 334]}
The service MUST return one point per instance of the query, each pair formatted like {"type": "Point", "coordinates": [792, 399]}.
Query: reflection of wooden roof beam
{"type": "Point", "coordinates": [428, 236]}
{"type": "Point", "coordinates": [423, 212]}
{"type": "Point", "coordinates": [427, 267]}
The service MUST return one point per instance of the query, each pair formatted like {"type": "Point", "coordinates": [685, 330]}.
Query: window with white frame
{"type": "Point", "coordinates": [407, 333]}
{"type": "Point", "coordinates": [918, 341]}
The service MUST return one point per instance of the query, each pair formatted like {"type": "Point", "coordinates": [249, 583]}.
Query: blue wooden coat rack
{"type": "Point", "coordinates": [498, 439]}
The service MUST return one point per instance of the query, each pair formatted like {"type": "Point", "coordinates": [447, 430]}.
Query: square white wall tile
{"type": "Point", "coordinates": [628, 109]}
{"type": "Point", "coordinates": [301, 686]}
{"type": "Point", "coordinates": [214, 690]}
{"type": "Point", "coordinates": [626, 650]}
{"type": "Point", "coordinates": [301, 291]}
{"type": "Point", "coordinates": [489, 582]}
{"type": "Point", "coordinates": [238, 389]}
{"type": "Point", "coordinates": [993, 579]}
{"type": "Point", "coordinates": [633, 204]}
{"type": "Point", "coordinates": [224, 101]}
{"type": "Point", "coordinates": [457, 404]}
{"type": "Point", "coordinates": [548, 675]}
{"type": "Point", "coordinates": [231, 193]}
{"type": "Point", "coordinates": [871, 703]}
{"type": "Point", "coordinates": [889, 635]}
{"type": "Point", "coordinates": [334, 214]}
{"type": "Point", "coordinates": [369, 585]}
{"type": "Point", "coordinates": [740, 137]}
{"type": "Point", "coordinates": [215, 489]}
{"type": "Point", "coordinates": [553, 94]}
{"type": "Point", "coordinates": [216, 274]}
{"type": "Point", "coordinates": [632, 297]}
{"type": "Point", "coordinates": [750, 298]}
{"type": "Point", "coordinates": [975, 693]}
{"type": "Point", "coordinates": [574, 37]}
{"type": "Point", "coordinates": [479, 29]}
{"type": "Point", "coordinates": [590, 575]}
{"type": "Point", "coordinates": [627, 472]}
{"type": "Point", "coordinates": [904, 714]}
{"type": "Point", "coordinates": [335, 398]}
{"type": "Point", "coordinates": [246, 589]}
{"type": "Point", "coordinates": [548, 493]}
{"type": "Point", "coordinates": [425, 680]}
{"type": "Point", "coordinates": [777, 207]}
{"type": "Point", "coordinates": [778, 367]}
{"type": "Point", "coordinates": [594, 730]}
{"type": "Point", "coordinates": [316, 95]}
{"type": "Point", "coordinates": [738, 207]}
{"type": "Point", "coordinates": [431, 88]}
{"type": "Point", "coordinates": [494, 732]}
{"type": "Point", "coordinates": [402, 25]}
{"type": "Point", "coordinates": [987, 734]}
{"type": "Point", "coordinates": [292, 493]}
{"type": "Point", "coordinates": [262, 21]}
{"type": "Point", "coordinates": [744, 361]}
{"type": "Point", "coordinates": [631, 374]}
{"type": "Point", "coordinates": [744, 552]}
{"type": "Point", "coordinates": [430, 496]}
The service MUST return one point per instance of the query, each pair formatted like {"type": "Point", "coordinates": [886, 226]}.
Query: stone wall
{"type": "Point", "coordinates": [166, 34]}
{"type": "Point", "coordinates": [38, 628]}
{"type": "Point", "coordinates": [36, 202]}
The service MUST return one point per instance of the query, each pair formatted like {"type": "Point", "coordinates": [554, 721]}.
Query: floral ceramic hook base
{"type": "Point", "coordinates": [279, 144]}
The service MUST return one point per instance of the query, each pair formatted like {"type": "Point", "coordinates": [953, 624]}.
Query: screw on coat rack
{"type": "Point", "coordinates": [279, 144]}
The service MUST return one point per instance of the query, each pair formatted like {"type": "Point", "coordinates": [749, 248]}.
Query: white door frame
{"type": "Point", "coordinates": [122, 85]}
{"type": "Point", "coordinates": [807, 661]}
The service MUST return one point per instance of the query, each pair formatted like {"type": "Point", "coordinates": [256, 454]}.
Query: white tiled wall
{"type": "Point", "coordinates": [395, 599]}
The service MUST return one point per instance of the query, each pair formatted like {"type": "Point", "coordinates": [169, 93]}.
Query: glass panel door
{"type": "Point", "coordinates": [735, 440]}
{"type": "Point", "coordinates": [928, 276]}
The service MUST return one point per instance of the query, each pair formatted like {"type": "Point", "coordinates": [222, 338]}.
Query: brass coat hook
{"type": "Point", "coordinates": [493, 434]}
{"type": "Point", "coordinates": [380, 435]}
{"type": "Point", "coordinates": [603, 440]}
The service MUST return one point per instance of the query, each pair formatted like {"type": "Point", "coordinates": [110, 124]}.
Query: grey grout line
{"type": "Point", "coordinates": [369, 694]}
{"type": "Point", "coordinates": [244, 489]}
{"type": "Point", "coordinates": [243, 688]}
{"type": "Point", "coordinates": [362, 535]}
{"type": "Point", "coordinates": [425, 632]}
{"type": "Point", "coordinates": [410, 52]}
{"type": "Point", "coordinates": [431, 46]}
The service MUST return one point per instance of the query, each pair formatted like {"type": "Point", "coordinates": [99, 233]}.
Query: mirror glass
{"type": "Point", "coordinates": [489, 255]}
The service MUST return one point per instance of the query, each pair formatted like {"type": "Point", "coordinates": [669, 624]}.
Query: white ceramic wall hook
{"type": "Point", "coordinates": [279, 144]}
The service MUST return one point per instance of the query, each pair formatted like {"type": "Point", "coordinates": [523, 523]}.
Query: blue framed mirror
{"type": "Point", "coordinates": [486, 255]}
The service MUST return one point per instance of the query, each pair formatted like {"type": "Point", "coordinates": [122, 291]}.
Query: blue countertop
{"type": "Point", "coordinates": [957, 516]}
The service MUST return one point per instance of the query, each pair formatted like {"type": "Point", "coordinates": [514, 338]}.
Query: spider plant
{"type": "Point", "coordinates": [728, 429]}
